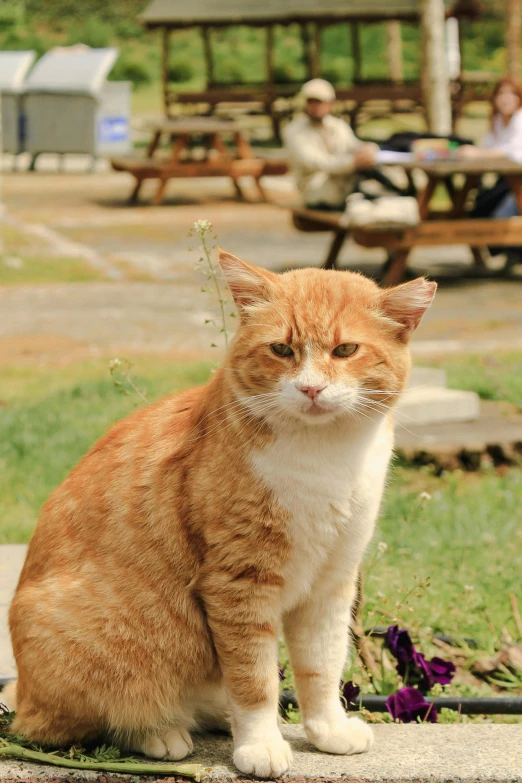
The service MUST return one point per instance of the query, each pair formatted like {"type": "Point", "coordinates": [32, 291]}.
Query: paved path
{"type": "Point", "coordinates": [412, 752]}
{"type": "Point", "coordinates": [167, 309]}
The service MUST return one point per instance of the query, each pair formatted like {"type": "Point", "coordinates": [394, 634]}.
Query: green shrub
{"type": "Point", "coordinates": [180, 71]}
{"type": "Point", "coordinates": [129, 69]}
{"type": "Point", "coordinates": [128, 29]}
{"type": "Point", "coordinates": [285, 73]}
{"type": "Point", "coordinates": [229, 70]}
{"type": "Point", "coordinates": [93, 33]}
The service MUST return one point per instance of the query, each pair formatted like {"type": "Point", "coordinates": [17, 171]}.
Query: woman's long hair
{"type": "Point", "coordinates": [506, 81]}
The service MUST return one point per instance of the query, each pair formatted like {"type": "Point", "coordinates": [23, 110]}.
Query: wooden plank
{"type": "Point", "coordinates": [161, 169]}
{"type": "Point", "coordinates": [445, 232]}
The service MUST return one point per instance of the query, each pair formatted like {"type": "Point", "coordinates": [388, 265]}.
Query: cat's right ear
{"type": "Point", "coordinates": [248, 284]}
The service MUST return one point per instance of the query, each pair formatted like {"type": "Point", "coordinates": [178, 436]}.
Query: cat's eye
{"type": "Point", "coordinates": [345, 349]}
{"type": "Point", "coordinates": [280, 349]}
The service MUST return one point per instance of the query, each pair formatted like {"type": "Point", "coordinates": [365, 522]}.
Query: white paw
{"type": "Point", "coordinates": [179, 744]}
{"type": "Point", "coordinates": [153, 747]}
{"type": "Point", "coordinates": [175, 745]}
{"type": "Point", "coordinates": [347, 736]}
{"type": "Point", "coordinates": [264, 759]}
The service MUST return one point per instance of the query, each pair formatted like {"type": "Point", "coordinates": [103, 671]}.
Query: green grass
{"type": "Point", "coordinates": [497, 377]}
{"type": "Point", "coordinates": [50, 417]}
{"type": "Point", "coordinates": [26, 259]}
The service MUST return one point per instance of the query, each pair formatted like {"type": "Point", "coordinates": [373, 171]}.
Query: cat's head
{"type": "Point", "coordinates": [319, 345]}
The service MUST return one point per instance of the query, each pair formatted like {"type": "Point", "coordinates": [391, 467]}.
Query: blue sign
{"type": "Point", "coordinates": [113, 129]}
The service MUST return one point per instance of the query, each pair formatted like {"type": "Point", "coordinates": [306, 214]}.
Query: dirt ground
{"type": "Point", "coordinates": [152, 300]}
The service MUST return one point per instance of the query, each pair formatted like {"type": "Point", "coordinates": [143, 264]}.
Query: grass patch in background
{"type": "Point", "coordinates": [26, 259]}
{"type": "Point", "coordinates": [493, 377]}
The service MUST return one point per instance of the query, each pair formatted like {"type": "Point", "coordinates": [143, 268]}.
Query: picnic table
{"type": "Point", "coordinates": [197, 149]}
{"type": "Point", "coordinates": [442, 227]}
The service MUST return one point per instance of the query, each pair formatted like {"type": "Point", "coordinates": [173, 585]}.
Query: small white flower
{"type": "Point", "coordinates": [468, 588]}
{"type": "Point", "coordinates": [202, 226]}
{"type": "Point", "coordinates": [424, 496]}
{"type": "Point", "coordinates": [382, 546]}
{"type": "Point", "coordinates": [114, 364]}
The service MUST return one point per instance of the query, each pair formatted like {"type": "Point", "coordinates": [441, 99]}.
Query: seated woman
{"type": "Point", "coordinates": [504, 138]}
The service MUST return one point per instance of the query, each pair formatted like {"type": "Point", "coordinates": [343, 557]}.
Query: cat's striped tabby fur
{"type": "Point", "coordinates": [163, 568]}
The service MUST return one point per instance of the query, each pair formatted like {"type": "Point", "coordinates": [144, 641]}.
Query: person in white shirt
{"type": "Point", "coordinates": [324, 153]}
{"type": "Point", "coordinates": [503, 139]}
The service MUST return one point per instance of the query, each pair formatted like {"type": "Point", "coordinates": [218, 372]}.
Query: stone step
{"type": "Point", "coordinates": [427, 376]}
{"type": "Point", "coordinates": [433, 404]}
{"type": "Point", "coordinates": [402, 752]}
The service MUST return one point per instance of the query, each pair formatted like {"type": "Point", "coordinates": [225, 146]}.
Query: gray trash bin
{"type": "Point", "coordinates": [71, 108]}
{"type": "Point", "coordinates": [13, 70]}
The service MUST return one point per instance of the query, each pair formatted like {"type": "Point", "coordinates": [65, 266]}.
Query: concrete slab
{"type": "Point", "coordinates": [412, 752]}
{"type": "Point", "coordinates": [12, 558]}
{"type": "Point", "coordinates": [433, 404]}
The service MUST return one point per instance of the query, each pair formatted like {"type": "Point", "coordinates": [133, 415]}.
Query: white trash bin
{"type": "Point", "coordinates": [71, 107]}
{"type": "Point", "coordinates": [13, 71]}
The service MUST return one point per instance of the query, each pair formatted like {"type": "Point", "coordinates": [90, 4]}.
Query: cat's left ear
{"type": "Point", "coordinates": [406, 304]}
{"type": "Point", "coordinates": [248, 284]}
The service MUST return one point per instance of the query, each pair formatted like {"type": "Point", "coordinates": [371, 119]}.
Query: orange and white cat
{"type": "Point", "coordinates": [164, 566]}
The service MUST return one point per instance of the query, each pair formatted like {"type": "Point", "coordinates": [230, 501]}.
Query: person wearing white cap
{"type": "Point", "coordinates": [323, 150]}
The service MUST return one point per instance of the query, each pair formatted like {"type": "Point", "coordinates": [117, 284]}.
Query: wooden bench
{"type": "Point", "coordinates": [475, 233]}
{"type": "Point", "coordinates": [163, 170]}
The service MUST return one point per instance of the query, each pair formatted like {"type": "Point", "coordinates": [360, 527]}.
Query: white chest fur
{"type": "Point", "coordinates": [330, 481]}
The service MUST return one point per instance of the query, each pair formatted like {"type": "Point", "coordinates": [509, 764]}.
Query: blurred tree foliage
{"type": "Point", "coordinates": [239, 52]}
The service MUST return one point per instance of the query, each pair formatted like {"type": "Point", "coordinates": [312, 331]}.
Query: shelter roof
{"type": "Point", "coordinates": [179, 13]}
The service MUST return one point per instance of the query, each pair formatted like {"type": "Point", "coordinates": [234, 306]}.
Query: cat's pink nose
{"type": "Point", "coordinates": [311, 391]}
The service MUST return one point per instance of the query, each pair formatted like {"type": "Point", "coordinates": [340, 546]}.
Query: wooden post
{"type": "Point", "coordinates": [394, 51]}
{"type": "Point", "coordinates": [268, 54]}
{"type": "Point", "coordinates": [513, 30]}
{"type": "Point", "coordinates": [316, 51]}
{"type": "Point", "coordinates": [356, 52]}
{"type": "Point", "coordinates": [435, 81]}
{"type": "Point", "coordinates": [312, 49]}
{"type": "Point", "coordinates": [165, 67]}
{"type": "Point", "coordinates": [207, 48]}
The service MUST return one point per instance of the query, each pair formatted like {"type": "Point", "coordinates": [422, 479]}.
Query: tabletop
{"type": "Point", "coordinates": [192, 125]}
{"type": "Point", "coordinates": [448, 166]}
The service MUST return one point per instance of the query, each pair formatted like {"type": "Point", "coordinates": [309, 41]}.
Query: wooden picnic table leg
{"type": "Point", "coordinates": [158, 196]}
{"type": "Point", "coordinates": [153, 144]}
{"type": "Point", "coordinates": [237, 187]}
{"type": "Point", "coordinates": [133, 198]}
{"type": "Point", "coordinates": [426, 195]}
{"type": "Point", "coordinates": [395, 267]}
{"type": "Point", "coordinates": [515, 183]}
{"type": "Point", "coordinates": [335, 249]}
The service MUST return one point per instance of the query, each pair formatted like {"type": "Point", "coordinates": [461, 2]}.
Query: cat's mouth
{"type": "Point", "coordinates": [315, 409]}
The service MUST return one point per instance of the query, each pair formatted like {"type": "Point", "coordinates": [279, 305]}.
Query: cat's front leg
{"type": "Point", "coordinates": [243, 615]}
{"type": "Point", "coordinates": [317, 637]}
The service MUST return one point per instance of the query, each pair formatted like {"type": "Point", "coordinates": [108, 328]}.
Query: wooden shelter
{"type": "Point", "coordinates": [311, 16]}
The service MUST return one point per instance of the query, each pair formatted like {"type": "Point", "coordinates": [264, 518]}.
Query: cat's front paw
{"type": "Point", "coordinates": [346, 736]}
{"type": "Point", "coordinates": [264, 759]}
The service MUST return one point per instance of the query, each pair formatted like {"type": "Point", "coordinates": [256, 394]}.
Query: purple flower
{"type": "Point", "coordinates": [413, 666]}
{"type": "Point", "coordinates": [350, 692]}
{"type": "Point", "coordinates": [399, 644]}
{"type": "Point", "coordinates": [282, 673]}
{"type": "Point", "coordinates": [408, 704]}
{"type": "Point", "coordinates": [441, 671]}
